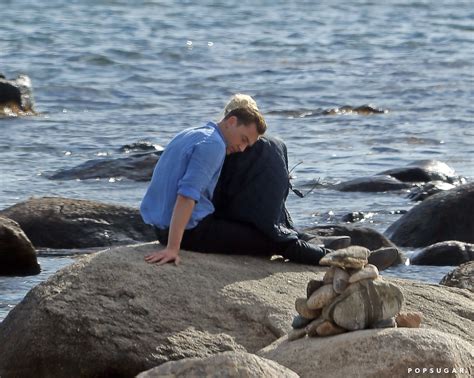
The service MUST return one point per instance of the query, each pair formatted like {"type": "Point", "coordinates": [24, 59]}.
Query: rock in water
{"type": "Point", "coordinates": [354, 257]}
{"type": "Point", "coordinates": [364, 303]}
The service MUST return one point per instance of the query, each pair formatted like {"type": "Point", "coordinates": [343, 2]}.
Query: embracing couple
{"type": "Point", "coordinates": [221, 188]}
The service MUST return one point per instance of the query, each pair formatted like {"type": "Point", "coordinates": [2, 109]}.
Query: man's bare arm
{"type": "Point", "coordinates": [182, 212]}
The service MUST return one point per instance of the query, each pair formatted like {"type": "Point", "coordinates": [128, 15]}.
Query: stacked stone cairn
{"type": "Point", "coordinates": [351, 296]}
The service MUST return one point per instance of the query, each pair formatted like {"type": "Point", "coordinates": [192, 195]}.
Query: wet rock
{"type": "Point", "coordinates": [354, 257]}
{"type": "Point", "coordinates": [462, 277]}
{"type": "Point", "coordinates": [341, 280]}
{"type": "Point", "coordinates": [379, 183]}
{"type": "Point", "coordinates": [364, 236]}
{"type": "Point", "coordinates": [424, 171]}
{"type": "Point", "coordinates": [314, 285]}
{"type": "Point", "coordinates": [141, 146]}
{"type": "Point", "coordinates": [421, 192]}
{"type": "Point", "coordinates": [361, 110]}
{"type": "Point", "coordinates": [321, 297]}
{"type": "Point", "coordinates": [356, 216]}
{"type": "Point", "coordinates": [16, 97]}
{"type": "Point", "coordinates": [368, 272]}
{"type": "Point", "coordinates": [375, 353]}
{"type": "Point", "coordinates": [227, 364]}
{"type": "Point", "coordinates": [137, 167]}
{"type": "Point", "coordinates": [302, 309]}
{"type": "Point", "coordinates": [444, 253]}
{"type": "Point", "coordinates": [17, 254]}
{"type": "Point", "coordinates": [328, 328]}
{"type": "Point", "coordinates": [364, 303]}
{"type": "Point", "coordinates": [444, 216]}
{"type": "Point", "coordinates": [55, 222]}
{"type": "Point", "coordinates": [385, 257]}
{"type": "Point", "coordinates": [409, 319]}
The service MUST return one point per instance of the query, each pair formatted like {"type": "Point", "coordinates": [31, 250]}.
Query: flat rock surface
{"type": "Point", "coordinates": [111, 314]}
{"type": "Point", "coordinates": [227, 364]}
{"type": "Point", "coordinates": [388, 352]}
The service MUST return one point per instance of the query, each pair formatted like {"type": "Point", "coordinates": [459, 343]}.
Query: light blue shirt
{"type": "Point", "coordinates": [190, 166]}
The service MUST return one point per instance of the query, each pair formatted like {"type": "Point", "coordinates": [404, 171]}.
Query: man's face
{"type": "Point", "coordinates": [240, 137]}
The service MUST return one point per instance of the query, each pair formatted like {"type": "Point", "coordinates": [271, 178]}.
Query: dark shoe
{"type": "Point", "coordinates": [336, 242]}
{"type": "Point", "coordinates": [303, 252]}
{"type": "Point", "coordinates": [383, 258]}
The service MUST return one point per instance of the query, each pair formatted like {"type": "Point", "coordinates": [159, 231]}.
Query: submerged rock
{"type": "Point", "coordinates": [379, 183]}
{"type": "Point", "coordinates": [444, 253]}
{"type": "Point", "coordinates": [141, 146]}
{"type": "Point", "coordinates": [55, 222]}
{"type": "Point", "coordinates": [424, 171]}
{"type": "Point", "coordinates": [444, 216]}
{"type": "Point", "coordinates": [137, 167]}
{"type": "Point", "coordinates": [17, 254]}
{"type": "Point", "coordinates": [16, 97]}
{"type": "Point", "coordinates": [361, 110]}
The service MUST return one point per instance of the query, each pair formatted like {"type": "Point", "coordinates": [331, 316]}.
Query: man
{"type": "Point", "coordinates": [178, 202]}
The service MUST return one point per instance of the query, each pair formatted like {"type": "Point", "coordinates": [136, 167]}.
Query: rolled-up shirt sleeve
{"type": "Point", "coordinates": [205, 162]}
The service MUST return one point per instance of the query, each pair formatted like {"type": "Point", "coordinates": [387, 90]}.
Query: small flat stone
{"type": "Point", "coordinates": [321, 297]}
{"type": "Point", "coordinates": [385, 323]}
{"type": "Point", "coordinates": [300, 322]}
{"type": "Point", "coordinates": [409, 319]}
{"type": "Point", "coordinates": [367, 272]}
{"type": "Point", "coordinates": [352, 257]}
{"type": "Point", "coordinates": [328, 328]}
{"type": "Point", "coordinates": [302, 309]}
{"type": "Point", "coordinates": [296, 334]}
{"type": "Point", "coordinates": [312, 286]}
{"type": "Point", "coordinates": [311, 328]}
{"type": "Point", "coordinates": [329, 275]}
{"type": "Point", "coordinates": [341, 280]}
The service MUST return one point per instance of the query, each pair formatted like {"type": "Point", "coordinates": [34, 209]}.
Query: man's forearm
{"type": "Point", "coordinates": [182, 212]}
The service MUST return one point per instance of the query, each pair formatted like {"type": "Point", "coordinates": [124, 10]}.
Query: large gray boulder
{"type": "Point", "coordinates": [227, 364]}
{"type": "Point", "coordinates": [17, 254]}
{"type": "Point", "coordinates": [56, 222]}
{"type": "Point", "coordinates": [444, 216]}
{"type": "Point", "coordinates": [111, 314]}
{"type": "Point", "coordinates": [390, 352]}
{"type": "Point", "coordinates": [444, 253]}
{"type": "Point", "coordinates": [462, 276]}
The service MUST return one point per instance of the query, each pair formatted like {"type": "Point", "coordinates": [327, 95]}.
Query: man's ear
{"type": "Point", "coordinates": [232, 121]}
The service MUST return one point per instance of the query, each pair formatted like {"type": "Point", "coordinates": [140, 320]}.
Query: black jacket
{"type": "Point", "coordinates": [253, 187]}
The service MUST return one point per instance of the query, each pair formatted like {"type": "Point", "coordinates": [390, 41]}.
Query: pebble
{"type": "Point", "coordinates": [321, 297]}
{"type": "Point", "coordinates": [313, 285]}
{"type": "Point", "coordinates": [328, 328]}
{"type": "Point", "coordinates": [302, 309]}
{"type": "Point", "coordinates": [367, 272]}
{"type": "Point", "coordinates": [354, 257]}
{"type": "Point", "coordinates": [409, 319]}
{"type": "Point", "coordinates": [300, 322]}
{"type": "Point", "coordinates": [311, 328]}
{"type": "Point", "coordinates": [341, 280]}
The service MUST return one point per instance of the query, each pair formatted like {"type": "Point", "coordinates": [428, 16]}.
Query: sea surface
{"type": "Point", "coordinates": [109, 73]}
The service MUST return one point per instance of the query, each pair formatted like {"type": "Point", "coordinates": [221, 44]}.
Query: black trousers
{"type": "Point", "coordinates": [217, 235]}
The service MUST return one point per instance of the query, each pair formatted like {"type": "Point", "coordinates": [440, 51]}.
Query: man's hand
{"type": "Point", "coordinates": [164, 256]}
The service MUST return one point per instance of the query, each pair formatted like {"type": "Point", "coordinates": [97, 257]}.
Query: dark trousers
{"type": "Point", "coordinates": [216, 235]}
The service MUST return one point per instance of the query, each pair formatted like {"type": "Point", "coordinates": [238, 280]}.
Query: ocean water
{"type": "Point", "coordinates": [109, 73]}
